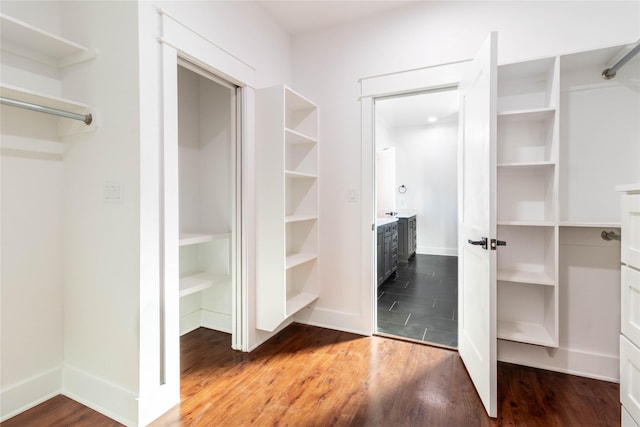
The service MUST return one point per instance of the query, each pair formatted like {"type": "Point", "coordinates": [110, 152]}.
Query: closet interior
{"type": "Point", "coordinates": [206, 156]}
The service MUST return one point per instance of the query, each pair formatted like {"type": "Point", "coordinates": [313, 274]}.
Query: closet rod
{"type": "Point", "coordinates": [610, 73]}
{"type": "Point", "coordinates": [86, 118]}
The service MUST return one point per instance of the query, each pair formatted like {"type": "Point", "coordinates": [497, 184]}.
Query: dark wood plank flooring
{"type": "Point", "coordinates": [308, 376]}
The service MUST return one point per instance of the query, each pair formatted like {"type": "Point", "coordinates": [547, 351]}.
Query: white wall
{"type": "Point", "coordinates": [427, 166]}
{"type": "Point", "coordinates": [88, 303]}
{"type": "Point", "coordinates": [328, 63]}
{"type": "Point", "coordinates": [31, 233]}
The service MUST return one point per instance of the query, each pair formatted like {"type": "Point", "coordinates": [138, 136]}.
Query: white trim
{"type": "Point", "coordinates": [433, 250]}
{"type": "Point", "coordinates": [603, 367]}
{"type": "Point", "coordinates": [403, 82]}
{"type": "Point", "coordinates": [215, 320]}
{"type": "Point", "coordinates": [190, 322]}
{"type": "Point", "coordinates": [29, 392]}
{"type": "Point", "coordinates": [203, 52]}
{"type": "Point", "coordinates": [421, 79]}
{"type": "Point", "coordinates": [103, 396]}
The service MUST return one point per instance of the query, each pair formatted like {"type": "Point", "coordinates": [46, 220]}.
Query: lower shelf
{"type": "Point", "coordinates": [525, 332]}
{"type": "Point", "coordinates": [538, 278]}
{"type": "Point", "coordinates": [299, 301]}
{"type": "Point", "coordinates": [198, 282]}
{"type": "Point", "coordinates": [299, 258]}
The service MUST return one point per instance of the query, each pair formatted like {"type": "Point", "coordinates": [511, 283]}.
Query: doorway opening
{"type": "Point", "coordinates": [208, 189]}
{"type": "Point", "coordinates": [416, 140]}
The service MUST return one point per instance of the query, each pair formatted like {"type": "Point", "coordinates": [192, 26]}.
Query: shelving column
{"type": "Point", "coordinates": [287, 187]}
{"type": "Point", "coordinates": [527, 182]}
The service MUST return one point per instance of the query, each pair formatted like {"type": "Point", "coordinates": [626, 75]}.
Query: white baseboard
{"type": "Point", "coordinates": [190, 322]}
{"type": "Point", "coordinates": [30, 392]}
{"type": "Point", "coordinates": [429, 250]}
{"type": "Point", "coordinates": [591, 365]}
{"type": "Point", "coordinates": [206, 319]}
{"type": "Point", "coordinates": [103, 396]}
{"type": "Point", "coordinates": [214, 320]}
{"type": "Point", "coordinates": [333, 319]}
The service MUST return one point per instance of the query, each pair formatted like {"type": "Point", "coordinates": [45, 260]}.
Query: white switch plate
{"type": "Point", "coordinates": [353, 196]}
{"type": "Point", "coordinates": [112, 192]}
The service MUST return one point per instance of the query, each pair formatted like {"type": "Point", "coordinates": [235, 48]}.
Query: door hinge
{"type": "Point", "coordinates": [495, 243]}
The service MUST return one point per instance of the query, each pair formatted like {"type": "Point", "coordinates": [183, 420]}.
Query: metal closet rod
{"type": "Point", "coordinates": [610, 73]}
{"type": "Point", "coordinates": [86, 118]}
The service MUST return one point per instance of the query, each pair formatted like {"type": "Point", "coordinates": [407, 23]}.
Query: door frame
{"type": "Point", "coordinates": [425, 79]}
{"type": "Point", "coordinates": [160, 351]}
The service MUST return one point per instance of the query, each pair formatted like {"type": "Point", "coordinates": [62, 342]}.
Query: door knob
{"type": "Point", "coordinates": [495, 243]}
{"type": "Point", "coordinates": [482, 242]}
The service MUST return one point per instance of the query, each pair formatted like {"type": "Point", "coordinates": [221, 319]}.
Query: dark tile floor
{"type": "Point", "coordinates": [420, 302]}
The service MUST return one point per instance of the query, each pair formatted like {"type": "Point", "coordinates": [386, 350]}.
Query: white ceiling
{"type": "Point", "coordinates": [415, 110]}
{"type": "Point", "coordinates": [298, 16]}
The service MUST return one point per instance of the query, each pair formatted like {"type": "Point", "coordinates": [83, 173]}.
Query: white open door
{"type": "Point", "coordinates": [477, 340]}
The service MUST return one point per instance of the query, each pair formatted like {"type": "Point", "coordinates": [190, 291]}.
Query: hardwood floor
{"type": "Point", "coordinates": [308, 376]}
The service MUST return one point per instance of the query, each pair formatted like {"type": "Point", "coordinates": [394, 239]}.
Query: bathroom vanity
{"type": "Point", "coordinates": [406, 236]}
{"type": "Point", "coordinates": [387, 248]}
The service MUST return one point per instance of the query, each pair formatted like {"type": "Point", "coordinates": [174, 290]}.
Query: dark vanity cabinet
{"type": "Point", "coordinates": [406, 238]}
{"type": "Point", "coordinates": [387, 250]}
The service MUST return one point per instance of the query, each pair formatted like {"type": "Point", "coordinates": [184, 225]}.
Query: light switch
{"type": "Point", "coordinates": [112, 192]}
{"type": "Point", "coordinates": [354, 196]}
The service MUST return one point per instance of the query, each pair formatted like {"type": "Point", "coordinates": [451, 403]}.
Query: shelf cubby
{"type": "Point", "coordinates": [528, 313]}
{"type": "Point", "coordinates": [531, 256]}
{"type": "Point", "coordinates": [528, 85]}
{"type": "Point", "coordinates": [300, 114]}
{"type": "Point", "coordinates": [301, 196]}
{"type": "Point", "coordinates": [302, 286]}
{"type": "Point", "coordinates": [301, 158]}
{"type": "Point", "coordinates": [526, 137]}
{"type": "Point", "coordinates": [527, 193]}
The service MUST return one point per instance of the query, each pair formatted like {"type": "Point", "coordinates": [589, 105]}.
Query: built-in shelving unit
{"type": "Point", "coordinates": [287, 178]}
{"type": "Point", "coordinates": [527, 214]}
{"type": "Point", "coordinates": [27, 41]}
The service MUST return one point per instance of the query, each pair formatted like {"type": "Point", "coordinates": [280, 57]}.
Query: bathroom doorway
{"type": "Point", "coordinates": [416, 139]}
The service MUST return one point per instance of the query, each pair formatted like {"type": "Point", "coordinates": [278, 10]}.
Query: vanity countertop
{"type": "Point", "coordinates": [385, 221]}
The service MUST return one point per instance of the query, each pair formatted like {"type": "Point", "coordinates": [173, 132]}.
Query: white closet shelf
{"type": "Point", "coordinates": [298, 302]}
{"type": "Point", "coordinates": [198, 282]}
{"type": "Point", "coordinates": [544, 163]}
{"type": "Point", "coordinates": [295, 137]}
{"type": "Point", "coordinates": [10, 91]}
{"type": "Point", "coordinates": [526, 223]}
{"type": "Point", "coordinates": [299, 218]}
{"type": "Point", "coordinates": [294, 260]}
{"type": "Point", "coordinates": [527, 114]}
{"type": "Point", "coordinates": [196, 238]}
{"type": "Point", "coordinates": [590, 224]}
{"type": "Point", "coordinates": [534, 278]}
{"type": "Point", "coordinates": [525, 332]}
{"type": "Point", "coordinates": [23, 39]}
{"type": "Point", "coordinates": [296, 102]}
{"type": "Point", "coordinates": [302, 175]}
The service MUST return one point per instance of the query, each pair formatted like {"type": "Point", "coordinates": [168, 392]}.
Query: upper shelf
{"type": "Point", "coordinates": [30, 42]}
{"type": "Point", "coordinates": [197, 238]}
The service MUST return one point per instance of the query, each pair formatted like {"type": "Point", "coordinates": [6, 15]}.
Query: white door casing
{"type": "Point", "coordinates": [477, 292]}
